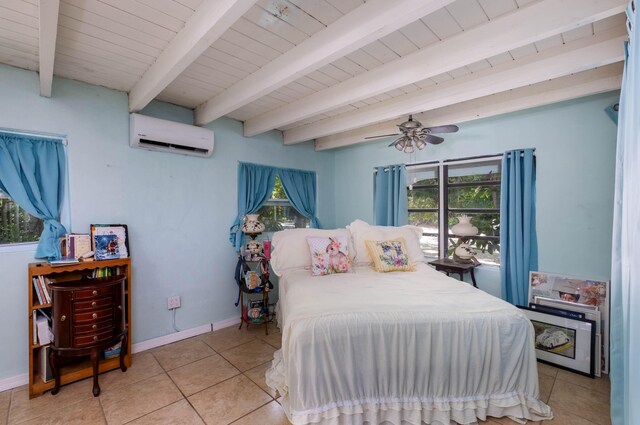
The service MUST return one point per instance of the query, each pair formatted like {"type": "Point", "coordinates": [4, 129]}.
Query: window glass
{"type": "Point", "coordinates": [469, 189]}
{"type": "Point", "coordinates": [17, 225]}
{"type": "Point", "coordinates": [278, 213]}
{"type": "Point", "coordinates": [423, 201]}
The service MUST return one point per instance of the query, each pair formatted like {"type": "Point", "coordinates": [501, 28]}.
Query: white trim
{"type": "Point", "coordinates": [19, 247]}
{"type": "Point", "coordinates": [225, 323]}
{"type": "Point", "coordinates": [14, 382]}
{"type": "Point", "coordinates": [179, 336]}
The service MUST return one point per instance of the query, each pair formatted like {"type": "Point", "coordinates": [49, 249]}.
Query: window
{"type": "Point", "coordinates": [440, 193]}
{"type": "Point", "coordinates": [278, 213]}
{"type": "Point", "coordinates": [17, 225]}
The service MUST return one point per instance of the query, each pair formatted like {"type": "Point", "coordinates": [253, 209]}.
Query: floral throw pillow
{"type": "Point", "coordinates": [329, 255]}
{"type": "Point", "coordinates": [389, 256]}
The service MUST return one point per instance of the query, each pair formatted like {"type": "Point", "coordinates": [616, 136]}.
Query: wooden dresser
{"type": "Point", "coordinates": [87, 317]}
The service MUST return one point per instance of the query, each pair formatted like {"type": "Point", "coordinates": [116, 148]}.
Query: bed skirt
{"type": "Point", "coordinates": [410, 411]}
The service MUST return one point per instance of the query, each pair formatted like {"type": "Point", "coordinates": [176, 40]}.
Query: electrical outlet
{"type": "Point", "coordinates": [173, 302]}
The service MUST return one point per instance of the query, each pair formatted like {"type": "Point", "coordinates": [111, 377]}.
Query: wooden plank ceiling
{"type": "Point", "coordinates": [335, 71]}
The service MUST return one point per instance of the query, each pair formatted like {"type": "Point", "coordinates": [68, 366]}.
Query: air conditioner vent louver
{"type": "Point", "coordinates": [167, 136]}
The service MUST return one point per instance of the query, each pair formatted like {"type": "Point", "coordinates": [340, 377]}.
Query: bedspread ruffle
{"type": "Point", "coordinates": [414, 411]}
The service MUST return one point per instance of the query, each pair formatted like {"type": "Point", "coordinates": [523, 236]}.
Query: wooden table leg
{"type": "Point", "coordinates": [473, 279]}
{"type": "Point", "coordinates": [95, 363]}
{"type": "Point", "coordinates": [242, 310]}
{"type": "Point", "coordinates": [265, 305]}
{"type": "Point", "coordinates": [54, 369]}
{"type": "Point", "coordinates": [123, 351]}
{"type": "Point", "coordinates": [461, 277]}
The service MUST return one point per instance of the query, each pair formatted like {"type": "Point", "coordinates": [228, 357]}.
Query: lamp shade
{"type": "Point", "coordinates": [464, 227]}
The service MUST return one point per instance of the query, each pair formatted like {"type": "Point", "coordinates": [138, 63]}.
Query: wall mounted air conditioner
{"type": "Point", "coordinates": [155, 134]}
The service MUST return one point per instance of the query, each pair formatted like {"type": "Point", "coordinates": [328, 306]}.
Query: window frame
{"type": "Point", "coordinates": [443, 186]}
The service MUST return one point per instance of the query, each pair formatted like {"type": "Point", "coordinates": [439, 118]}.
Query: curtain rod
{"type": "Point", "coordinates": [61, 137]}
{"type": "Point", "coordinates": [458, 161]}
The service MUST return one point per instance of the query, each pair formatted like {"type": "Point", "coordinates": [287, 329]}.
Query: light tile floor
{"type": "Point", "coordinates": [218, 378]}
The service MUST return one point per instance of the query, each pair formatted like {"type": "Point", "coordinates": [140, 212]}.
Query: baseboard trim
{"type": "Point", "coordinates": [179, 336]}
{"type": "Point", "coordinates": [14, 381]}
{"type": "Point", "coordinates": [23, 379]}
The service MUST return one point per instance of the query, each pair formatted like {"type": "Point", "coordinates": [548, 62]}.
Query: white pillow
{"type": "Point", "coordinates": [290, 249]}
{"type": "Point", "coordinates": [362, 231]}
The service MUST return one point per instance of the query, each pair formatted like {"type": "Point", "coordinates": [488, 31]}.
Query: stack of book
{"type": "Point", "coordinates": [108, 271]}
{"type": "Point", "coordinates": [41, 285]}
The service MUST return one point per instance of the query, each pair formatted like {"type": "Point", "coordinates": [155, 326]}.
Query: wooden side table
{"type": "Point", "coordinates": [449, 266]}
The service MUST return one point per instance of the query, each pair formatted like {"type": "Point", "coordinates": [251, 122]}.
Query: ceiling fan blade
{"type": "Point", "coordinates": [443, 129]}
{"type": "Point", "coordinates": [382, 135]}
{"type": "Point", "coordinates": [434, 140]}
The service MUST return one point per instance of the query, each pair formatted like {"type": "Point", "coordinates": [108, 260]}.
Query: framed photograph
{"type": "Point", "coordinates": [590, 312]}
{"type": "Point", "coordinates": [121, 233]}
{"type": "Point", "coordinates": [577, 291]}
{"type": "Point", "coordinates": [564, 342]}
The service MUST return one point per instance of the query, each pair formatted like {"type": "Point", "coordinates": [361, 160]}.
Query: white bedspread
{"type": "Point", "coordinates": [407, 348]}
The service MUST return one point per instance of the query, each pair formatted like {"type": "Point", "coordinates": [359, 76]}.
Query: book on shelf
{"type": "Point", "coordinates": [38, 290]}
{"type": "Point", "coordinates": [46, 374]}
{"type": "Point", "coordinates": [64, 261]}
{"type": "Point", "coordinates": [78, 244]}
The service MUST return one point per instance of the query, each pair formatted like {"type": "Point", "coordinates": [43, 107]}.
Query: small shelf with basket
{"type": "Point", "coordinates": [252, 277]}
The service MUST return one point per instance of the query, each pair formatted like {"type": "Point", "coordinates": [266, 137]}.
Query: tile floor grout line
{"type": "Point", "coordinates": [259, 407]}
{"type": "Point", "coordinates": [153, 411]}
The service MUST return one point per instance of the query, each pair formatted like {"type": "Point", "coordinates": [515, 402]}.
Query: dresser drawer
{"type": "Point", "coordinates": [93, 327]}
{"type": "Point", "coordinates": [93, 293]}
{"type": "Point", "coordinates": [93, 316]}
{"type": "Point", "coordinates": [92, 304]}
{"type": "Point", "coordinates": [91, 339]}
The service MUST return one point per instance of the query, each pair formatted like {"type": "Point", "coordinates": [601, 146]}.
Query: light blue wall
{"type": "Point", "coordinates": [575, 148]}
{"type": "Point", "coordinates": [178, 208]}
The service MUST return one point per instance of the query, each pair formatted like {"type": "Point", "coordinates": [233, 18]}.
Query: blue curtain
{"type": "Point", "coordinates": [390, 195]}
{"type": "Point", "coordinates": [32, 173]}
{"type": "Point", "coordinates": [300, 188]}
{"type": "Point", "coordinates": [255, 185]}
{"type": "Point", "coordinates": [518, 242]}
{"type": "Point", "coordinates": [625, 264]}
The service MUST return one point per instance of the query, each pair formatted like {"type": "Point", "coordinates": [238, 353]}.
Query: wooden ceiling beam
{"type": "Point", "coordinates": [579, 55]}
{"type": "Point", "coordinates": [206, 25]}
{"type": "Point", "coordinates": [524, 26]}
{"type": "Point", "coordinates": [48, 15]}
{"type": "Point", "coordinates": [586, 83]}
{"type": "Point", "coordinates": [365, 24]}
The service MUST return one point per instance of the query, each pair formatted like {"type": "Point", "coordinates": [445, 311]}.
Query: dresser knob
{"type": "Point", "coordinates": [95, 337]}
{"type": "Point", "coordinates": [95, 292]}
{"type": "Point", "coordinates": [95, 315]}
{"type": "Point", "coordinates": [94, 326]}
{"type": "Point", "coordinates": [93, 304]}
{"type": "Point", "coordinates": [119, 307]}
{"type": "Point", "coordinates": [63, 318]}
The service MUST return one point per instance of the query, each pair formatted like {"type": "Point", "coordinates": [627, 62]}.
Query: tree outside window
{"type": "Point", "coordinates": [278, 213]}
{"type": "Point", "coordinates": [17, 225]}
{"type": "Point", "coordinates": [468, 189]}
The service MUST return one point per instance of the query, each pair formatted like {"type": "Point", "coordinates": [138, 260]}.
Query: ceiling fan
{"type": "Point", "coordinates": [413, 133]}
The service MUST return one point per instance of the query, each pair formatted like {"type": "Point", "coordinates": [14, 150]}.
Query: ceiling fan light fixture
{"type": "Point", "coordinates": [408, 148]}
{"type": "Point", "coordinates": [400, 143]}
{"type": "Point", "coordinates": [420, 143]}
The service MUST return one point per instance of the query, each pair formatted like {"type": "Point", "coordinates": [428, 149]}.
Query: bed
{"type": "Point", "coordinates": [401, 348]}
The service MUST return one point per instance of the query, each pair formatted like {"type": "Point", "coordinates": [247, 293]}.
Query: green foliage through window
{"type": "Point", "coordinates": [278, 213]}
{"type": "Point", "coordinates": [17, 225]}
{"type": "Point", "coordinates": [470, 190]}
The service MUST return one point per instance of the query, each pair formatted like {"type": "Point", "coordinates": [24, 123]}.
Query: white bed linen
{"type": "Point", "coordinates": [407, 348]}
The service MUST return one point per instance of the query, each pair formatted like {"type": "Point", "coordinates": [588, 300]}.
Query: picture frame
{"type": "Point", "coordinates": [564, 342]}
{"type": "Point", "coordinates": [121, 231]}
{"type": "Point", "coordinates": [578, 291]}
{"type": "Point", "coordinates": [590, 312]}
